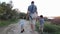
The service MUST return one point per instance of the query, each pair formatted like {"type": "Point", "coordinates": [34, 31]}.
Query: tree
{"type": "Point", "coordinates": [22, 15]}
{"type": "Point", "coordinates": [6, 11]}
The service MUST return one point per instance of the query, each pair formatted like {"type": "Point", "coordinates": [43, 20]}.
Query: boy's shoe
{"type": "Point", "coordinates": [22, 31]}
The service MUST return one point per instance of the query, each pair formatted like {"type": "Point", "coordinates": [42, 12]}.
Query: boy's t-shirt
{"type": "Point", "coordinates": [41, 21]}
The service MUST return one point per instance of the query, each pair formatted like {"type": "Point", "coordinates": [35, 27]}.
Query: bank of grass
{"type": "Point", "coordinates": [49, 28]}
{"type": "Point", "coordinates": [7, 22]}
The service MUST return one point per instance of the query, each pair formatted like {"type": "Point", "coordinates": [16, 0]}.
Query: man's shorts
{"type": "Point", "coordinates": [32, 18]}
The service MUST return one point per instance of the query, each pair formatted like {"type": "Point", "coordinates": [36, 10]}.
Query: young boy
{"type": "Point", "coordinates": [41, 20]}
{"type": "Point", "coordinates": [22, 21]}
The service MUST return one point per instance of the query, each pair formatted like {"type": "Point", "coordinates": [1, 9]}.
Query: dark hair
{"type": "Point", "coordinates": [41, 16]}
{"type": "Point", "coordinates": [32, 2]}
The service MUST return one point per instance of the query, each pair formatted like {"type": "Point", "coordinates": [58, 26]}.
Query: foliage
{"type": "Point", "coordinates": [45, 18]}
{"type": "Point", "coordinates": [22, 15]}
{"type": "Point", "coordinates": [7, 22]}
{"type": "Point", "coordinates": [49, 28]}
{"type": "Point", "coordinates": [6, 11]}
{"type": "Point", "coordinates": [37, 26]}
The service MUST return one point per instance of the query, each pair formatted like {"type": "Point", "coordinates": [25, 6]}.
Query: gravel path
{"type": "Point", "coordinates": [15, 29]}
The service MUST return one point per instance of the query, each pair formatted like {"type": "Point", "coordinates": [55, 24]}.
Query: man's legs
{"type": "Point", "coordinates": [33, 25]}
{"type": "Point", "coordinates": [33, 21]}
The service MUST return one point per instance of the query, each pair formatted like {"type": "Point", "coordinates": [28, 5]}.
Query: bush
{"type": "Point", "coordinates": [50, 28]}
{"type": "Point", "coordinates": [7, 22]}
{"type": "Point", "coordinates": [56, 33]}
{"type": "Point", "coordinates": [37, 26]}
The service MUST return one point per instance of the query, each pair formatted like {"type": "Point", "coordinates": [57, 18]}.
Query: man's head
{"type": "Point", "coordinates": [32, 2]}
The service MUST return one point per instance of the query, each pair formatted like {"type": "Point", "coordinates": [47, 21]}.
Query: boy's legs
{"type": "Point", "coordinates": [41, 28]}
{"type": "Point", "coordinates": [22, 28]}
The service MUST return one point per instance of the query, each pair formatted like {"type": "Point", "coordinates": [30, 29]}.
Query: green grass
{"type": "Point", "coordinates": [49, 28]}
{"type": "Point", "coordinates": [7, 22]}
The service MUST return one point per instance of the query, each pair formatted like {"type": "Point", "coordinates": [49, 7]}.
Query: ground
{"type": "Point", "coordinates": [15, 29]}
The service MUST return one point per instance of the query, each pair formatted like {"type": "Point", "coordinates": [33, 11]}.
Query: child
{"type": "Point", "coordinates": [22, 21]}
{"type": "Point", "coordinates": [41, 20]}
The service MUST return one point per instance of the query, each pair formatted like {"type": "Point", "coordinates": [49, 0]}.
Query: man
{"type": "Point", "coordinates": [32, 12]}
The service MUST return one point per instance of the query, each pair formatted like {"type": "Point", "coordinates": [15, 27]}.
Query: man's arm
{"type": "Point", "coordinates": [36, 9]}
{"type": "Point", "coordinates": [27, 13]}
{"type": "Point", "coordinates": [27, 16]}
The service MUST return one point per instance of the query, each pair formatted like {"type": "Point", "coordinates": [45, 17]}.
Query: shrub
{"type": "Point", "coordinates": [7, 22]}
{"type": "Point", "coordinates": [50, 28]}
{"type": "Point", "coordinates": [37, 26]}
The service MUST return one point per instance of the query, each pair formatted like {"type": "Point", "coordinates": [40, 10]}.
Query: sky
{"type": "Point", "coordinates": [49, 8]}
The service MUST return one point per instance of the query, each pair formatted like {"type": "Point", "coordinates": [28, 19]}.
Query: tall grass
{"type": "Point", "coordinates": [7, 22]}
{"type": "Point", "coordinates": [49, 28]}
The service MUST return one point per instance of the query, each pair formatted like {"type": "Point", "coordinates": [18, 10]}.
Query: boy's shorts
{"type": "Point", "coordinates": [41, 26]}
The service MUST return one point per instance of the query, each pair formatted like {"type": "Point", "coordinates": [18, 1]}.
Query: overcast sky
{"type": "Point", "coordinates": [47, 8]}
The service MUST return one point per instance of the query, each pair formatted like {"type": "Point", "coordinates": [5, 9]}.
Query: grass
{"type": "Point", "coordinates": [7, 22]}
{"type": "Point", "coordinates": [49, 28]}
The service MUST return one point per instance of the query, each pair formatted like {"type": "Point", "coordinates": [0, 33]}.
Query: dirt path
{"type": "Point", "coordinates": [15, 29]}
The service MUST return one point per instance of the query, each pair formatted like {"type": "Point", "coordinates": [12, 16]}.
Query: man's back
{"type": "Point", "coordinates": [32, 8]}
